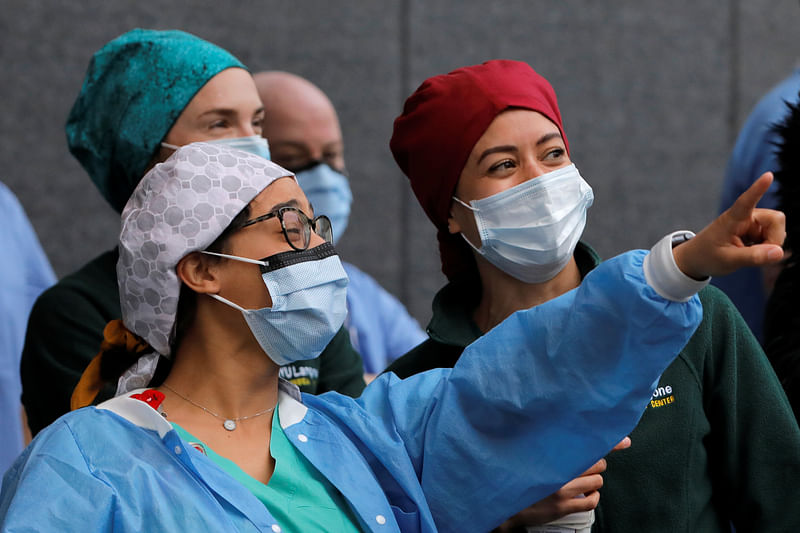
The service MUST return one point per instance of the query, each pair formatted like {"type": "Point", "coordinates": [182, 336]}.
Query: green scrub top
{"type": "Point", "coordinates": [297, 495]}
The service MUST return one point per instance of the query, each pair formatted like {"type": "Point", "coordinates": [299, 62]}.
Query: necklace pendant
{"type": "Point", "coordinates": [229, 424]}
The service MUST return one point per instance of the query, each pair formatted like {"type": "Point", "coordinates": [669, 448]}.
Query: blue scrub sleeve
{"type": "Point", "coordinates": [536, 400]}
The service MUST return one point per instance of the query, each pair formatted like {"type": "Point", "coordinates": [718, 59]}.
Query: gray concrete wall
{"type": "Point", "coordinates": [652, 95]}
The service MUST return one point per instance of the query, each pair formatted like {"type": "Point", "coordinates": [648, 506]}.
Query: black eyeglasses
{"type": "Point", "coordinates": [297, 227]}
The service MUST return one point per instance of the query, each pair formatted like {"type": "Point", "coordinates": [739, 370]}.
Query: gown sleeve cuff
{"type": "Point", "coordinates": [663, 274]}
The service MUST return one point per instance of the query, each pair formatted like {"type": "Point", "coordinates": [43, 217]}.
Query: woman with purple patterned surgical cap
{"type": "Point", "coordinates": [145, 93]}
{"type": "Point", "coordinates": [224, 275]}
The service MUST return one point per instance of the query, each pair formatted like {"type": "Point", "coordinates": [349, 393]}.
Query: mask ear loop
{"type": "Point", "coordinates": [471, 245]}
{"type": "Point", "coordinates": [474, 210]}
{"type": "Point", "coordinates": [237, 258]}
{"type": "Point", "coordinates": [228, 302]}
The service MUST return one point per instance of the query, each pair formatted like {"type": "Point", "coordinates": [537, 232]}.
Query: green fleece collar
{"type": "Point", "coordinates": [454, 305]}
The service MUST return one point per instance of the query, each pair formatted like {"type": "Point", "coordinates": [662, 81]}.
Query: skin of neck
{"type": "Point", "coordinates": [221, 366]}
{"type": "Point", "coordinates": [503, 294]}
{"type": "Point", "coordinates": [220, 362]}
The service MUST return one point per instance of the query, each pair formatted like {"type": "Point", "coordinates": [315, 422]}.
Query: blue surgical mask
{"type": "Point", "coordinates": [329, 192]}
{"type": "Point", "coordinates": [309, 303]}
{"type": "Point", "coordinates": [255, 144]}
{"type": "Point", "coordinates": [530, 231]}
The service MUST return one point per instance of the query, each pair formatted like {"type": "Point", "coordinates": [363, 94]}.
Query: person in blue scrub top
{"type": "Point", "coordinates": [754, 153]}
{"type": "Point", "coordinates": [303, 131]}
{"type": "Point", "coordinates": [225, 273]}
{"type": "Point", "coordinates": [24, 274]}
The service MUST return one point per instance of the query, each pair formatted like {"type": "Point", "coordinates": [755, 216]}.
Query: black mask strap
{"type": "Point", "coordinates": [284, 259]}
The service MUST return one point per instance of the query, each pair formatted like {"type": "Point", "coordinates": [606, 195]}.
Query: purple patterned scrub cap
{"type": "Point", "coordinates": [182, 205]}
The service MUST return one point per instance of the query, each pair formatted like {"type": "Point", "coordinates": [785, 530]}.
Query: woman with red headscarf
{"type": "Point", "coordinates": [485, 151]}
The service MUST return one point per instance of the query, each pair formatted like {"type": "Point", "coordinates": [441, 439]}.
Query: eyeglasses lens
{"type": "Point", "coordinates": [296, 228]}
{"type": "Point", "coordinates": [322, 227]}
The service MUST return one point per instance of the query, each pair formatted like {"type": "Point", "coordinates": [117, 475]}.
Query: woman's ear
{"type": "Point", "coordinates": [453, 226]}
{"type": "Point", "coordinates": [197, 271]}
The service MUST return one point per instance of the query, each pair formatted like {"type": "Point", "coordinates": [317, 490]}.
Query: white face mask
{"type": "Point", "coordinates": [530, 231]}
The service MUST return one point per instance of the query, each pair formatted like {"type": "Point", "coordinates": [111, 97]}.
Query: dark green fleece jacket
{"type": "Point", "coordinates": [718, 443]}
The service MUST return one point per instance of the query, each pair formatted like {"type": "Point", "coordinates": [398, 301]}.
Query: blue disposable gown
{"type": "Point", "coordinates": [528, 406]}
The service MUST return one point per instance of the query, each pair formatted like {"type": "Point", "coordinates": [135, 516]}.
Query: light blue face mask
{"type": "Point", "coordinates": [329, 192]}
{"type": "Point", "coordinates": [309, 303]}
{"type": "Point", "coordinates": [255, 144]}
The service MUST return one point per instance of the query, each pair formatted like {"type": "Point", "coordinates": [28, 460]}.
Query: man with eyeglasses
{"type": "Point", "coordinates": [303, 131]}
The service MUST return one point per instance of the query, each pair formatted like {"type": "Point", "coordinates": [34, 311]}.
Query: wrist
{"type": "Point", "coordinates": [667, 270]}
{"type": "Point", "coordinates": [683, 251]}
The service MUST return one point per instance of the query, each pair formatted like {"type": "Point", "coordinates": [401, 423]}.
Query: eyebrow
{"type": "Point", "coordinates": [290, 203]}
{"type": "Point", "coordinates": [294, 144]}
{"type": "Point", "coordinates": [333, 144]}
{"type": "Point", "coordinates": [548, 137]}
{"type": "Point", "coordinates": [303, 146]}
{"type": "Point", "coordinates": [227, 111]}
{"type": "Point", "coordinates": [511, 148]}
{"type": "Point", "coordinates": [494, 150]}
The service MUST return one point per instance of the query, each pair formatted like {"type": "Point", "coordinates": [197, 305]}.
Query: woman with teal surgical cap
{"type": "Point", "coordinates": [145, 93]}
{"type": "Point", "coordinates": [135, 89]}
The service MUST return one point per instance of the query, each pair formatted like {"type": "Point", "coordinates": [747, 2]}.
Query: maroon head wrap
{"type": "Point", "coordinates": [440, 124]}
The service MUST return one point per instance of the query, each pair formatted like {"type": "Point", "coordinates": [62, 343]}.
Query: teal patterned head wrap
{"type": "Point", "coordinates": [135, 88]}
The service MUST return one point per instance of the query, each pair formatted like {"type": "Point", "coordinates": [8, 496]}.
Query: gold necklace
{"type": "Point", "coordinates": [229, 423]}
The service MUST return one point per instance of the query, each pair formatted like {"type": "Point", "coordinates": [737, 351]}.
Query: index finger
{"type": "Point", "coordinates": [598, 468]}
{"type": "Point", "coordinates": [747, 201]}
{"type": "Point", "coordinates": [624, 443]}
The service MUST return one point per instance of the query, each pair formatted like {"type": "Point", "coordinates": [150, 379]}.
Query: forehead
{"type": "Point", "coordinates": [517, 126]}
{"type": "Point", "coordinates": [231, 88]}
{"type": "Point", "coordinates": [302, 120]}
{"type": "Point", "coordinates": [280, 191]}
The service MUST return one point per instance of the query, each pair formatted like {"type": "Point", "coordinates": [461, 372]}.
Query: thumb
{"type": "Point", "coordinates": [755, 255]}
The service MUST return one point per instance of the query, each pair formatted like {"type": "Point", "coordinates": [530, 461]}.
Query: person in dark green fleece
{"type": "Point", "coordinates": [486, 155]}
{"type": "Point", "coordinates": [146, 92]}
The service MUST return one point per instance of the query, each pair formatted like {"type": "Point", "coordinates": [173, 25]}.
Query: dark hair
{"type": "Point", "coordinates": [187, 300]}
{"type": "Point", "coordinates": [781, 320]}
{"type": "Point", "coordinates": [786, 176]}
